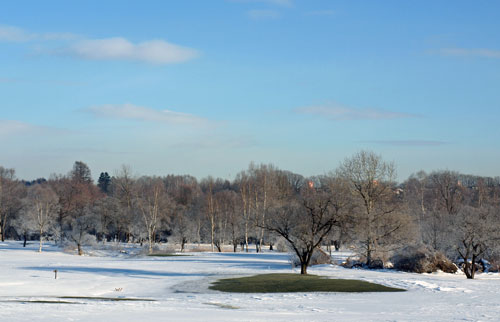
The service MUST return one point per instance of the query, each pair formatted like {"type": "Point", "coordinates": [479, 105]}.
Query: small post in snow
{"type": "Point", "coordinates": [55, 274]}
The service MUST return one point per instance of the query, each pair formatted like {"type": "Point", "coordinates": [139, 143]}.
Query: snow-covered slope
{"type": "Point", "coordinates": [179, 286]}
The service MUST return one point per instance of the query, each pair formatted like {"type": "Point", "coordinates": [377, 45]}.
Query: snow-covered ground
{"type": "Point", "coordinates": [179, 288]}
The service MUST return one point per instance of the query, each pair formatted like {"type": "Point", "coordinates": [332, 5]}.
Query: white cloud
{"type": "Point", "coordinates": [139, 113]}
{"type": "Point", "coordinates": [477, 52]}
{"type": "Point", "coordinates": [10, 128]}
{"type": "Point", "coordinates": [342, 113]}
{"type": "Point", "coordinates": [9, 33]}
{"type": "Point", "coordinates": [154, 51]}
{"type": "Point", "coordinates": [15, 34]}
{"type": "Point", "coordinates": [263, 14]}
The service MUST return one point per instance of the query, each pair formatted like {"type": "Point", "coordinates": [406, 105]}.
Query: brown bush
{"type": "Point", "coordinates": [422, 260]}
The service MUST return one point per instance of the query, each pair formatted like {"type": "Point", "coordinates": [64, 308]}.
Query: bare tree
{"type": "Point", "coordinates": [245, 189]}
{"type": "Point", "coordinates": [151, 203]}
{"type": "Point", "coordinates": [476, 232]}
{"type": "Point", "coordinates": [227, 223]}
{"type": "Point", "coordinates": [184, 193]}
{"type": "Point", "coordinates": [263, 177]}
{"type": "Point", "coordinates": [81, 173]}
{"type": "Point", "coordinates": [41, 210]}
{"type": "Point", "coordinates": [11, 192]}
{"type": "Point", "coordinates": [449, 190]}
{"type": "Point", "coordinates": [304, 220]}
{"type": "Point", "coordinates": [79, 228]}
{"type": "Point", "coordinates": [108, 211]}
{"type": "Point", "coordinates": [371, 181]}
{"type": "Point", "coordinates": [123, 188]}
{"type": "Point", "coordinates": [210, 210]}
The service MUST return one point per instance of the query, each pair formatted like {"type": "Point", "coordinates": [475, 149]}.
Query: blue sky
{"type": "Point", "coordinates": [205, 87]}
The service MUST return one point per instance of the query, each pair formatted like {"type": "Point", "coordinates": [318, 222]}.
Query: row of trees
{"type": "Point", "coordinates": [359, 205]}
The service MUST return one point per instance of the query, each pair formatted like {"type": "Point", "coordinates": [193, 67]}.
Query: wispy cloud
{"type": "Point", "coordinates": [477, 52]}
{"type": "Point", "coordinates": [281, 3]}
{"type": "Point", "coordinates": [9, 128]}
{"type": "Point", "coordinates": [320, 13]}
{"type": "Point", "coordinates": [15, 34]}
{"type": "Point", "coordinates": [140, 113]}
{"type": "Point", "coordinates": [342, 113]}
{"type": "Point", "coordinates": [9, 33]}
{"type": "Point", "coordinates": [263, 14]}
{"type": "Point", "coordinates": [154, 51]}
{"type": "Point", "coordinates": [407, 142]}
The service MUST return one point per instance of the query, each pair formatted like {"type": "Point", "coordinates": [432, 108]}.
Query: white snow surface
{"type": "Point", "coordinates": [179, 288]}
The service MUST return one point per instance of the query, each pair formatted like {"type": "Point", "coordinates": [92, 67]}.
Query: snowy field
{"type": "Point", "coordinates": [179, 288]}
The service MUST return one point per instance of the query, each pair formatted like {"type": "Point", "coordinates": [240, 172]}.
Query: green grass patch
{"type": "Point", "coordinates": [99, 298]}
{"type": "Point", "coordinates": [284, 283]}
{"type": "Point", "coordinates": [167, 255]}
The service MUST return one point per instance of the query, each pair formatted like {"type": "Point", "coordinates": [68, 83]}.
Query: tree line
{"type": "Point", "coordinates": [358, 205]}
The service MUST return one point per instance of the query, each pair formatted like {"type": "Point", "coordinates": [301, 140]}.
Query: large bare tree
{"type": "Point", "coordinates": [151, 201]}
{"type": "Point", "coordinates": [304, 219]}
{"type": "Point", "coordinates": [11, 192]}
{"type": "Point", "coordinates": [476, 232]}
{"type": "Point", "coordinates": [372, 182]}
{"type": "Point", "coordinates": [41, 210]}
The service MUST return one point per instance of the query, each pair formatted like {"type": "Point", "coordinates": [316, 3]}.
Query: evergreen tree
{"type": "Point", "coordinates": [104, 181]}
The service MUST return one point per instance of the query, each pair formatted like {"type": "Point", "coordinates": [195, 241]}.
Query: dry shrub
{"type": "Point", "coordinates": [420, 259]}
{"type": "Point", "coordinates": [495, 266]}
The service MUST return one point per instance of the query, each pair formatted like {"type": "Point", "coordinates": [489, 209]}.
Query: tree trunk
{"type": "Point", "coordinates": [41, 241]}
{"type": "Point", "coordinates": [303, 268]}
{"type": "Point", "coordinates": [183, 243]}
{"type": "Point", "coordinates": [212, 228]}
{"type": "Point", "coordinates": [368, 253]}
{"type": "Point", "coordinates": [246, 235]}
{"type": "Point", "coordinates": [2, 230]}
{"type": "Point", "coordinates": [25, 237]}
{"type": "Point", "coordinates": [80, 251]}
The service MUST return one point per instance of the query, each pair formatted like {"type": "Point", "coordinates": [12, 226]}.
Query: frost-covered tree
{"type": "Point", "coordinates": [79, 228]}
{"type": "Point", "coordinates": [40, 211]}
{"type": "Point", "coordinates": [476, 233]}
{"type": "Point", "coordinates": [151, 202]}
{"type": "Point", "coordinates": [378, 219]}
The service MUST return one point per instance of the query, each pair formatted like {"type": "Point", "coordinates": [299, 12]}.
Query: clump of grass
{"type": "Point", "coordinates": [284, 283]}
{"type": "Point", "coordinates": [223, 306]}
